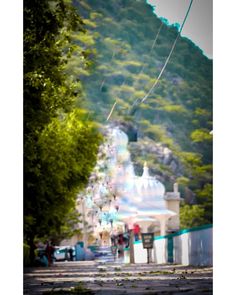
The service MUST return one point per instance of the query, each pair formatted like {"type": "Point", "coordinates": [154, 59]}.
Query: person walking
{"type": "Point", "coordinates": [49, 250]}
{"type": "Point", "coordinates": [71, 254]}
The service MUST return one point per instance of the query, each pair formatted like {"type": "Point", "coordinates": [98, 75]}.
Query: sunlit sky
{"type": "Point", "coordinates": [198, 26]}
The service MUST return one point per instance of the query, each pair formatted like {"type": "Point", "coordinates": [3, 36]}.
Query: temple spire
{"type": "Point", "coordinates": [176, 187]}
{"type": "Point", "coordinates": [145, 170]}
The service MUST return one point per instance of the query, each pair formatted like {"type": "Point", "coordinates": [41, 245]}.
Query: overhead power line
{"type": "Point", "coordinates": [141, 71]}
{"type": "Point", "coordinates": [153, 45]}
{"type": "Point", "coordinates": [169, 56]}
{"type": "Point", "coordinates": [163, 68]}
{"type": "Point", "coordinates": [108, 117]}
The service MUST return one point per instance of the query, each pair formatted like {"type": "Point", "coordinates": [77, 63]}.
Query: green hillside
{"type": "Point", "coordinates": [124, 63]}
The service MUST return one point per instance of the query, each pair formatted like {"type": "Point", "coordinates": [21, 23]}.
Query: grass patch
{"type": "Point", "coordinates": [133, 286]}
{"type": "Point", "coordinates": [102, 269]}
{"type": "Point", "coordinates": [126, 274]}
{"type": "Point", "coordinates": [159, 272]}
{"type": "Point", "coordinates": [80, 289]}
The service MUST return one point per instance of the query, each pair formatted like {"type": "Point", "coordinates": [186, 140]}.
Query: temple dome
{"type": "Point", "coordinates": [149, 185]}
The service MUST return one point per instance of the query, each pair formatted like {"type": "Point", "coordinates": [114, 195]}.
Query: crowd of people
{"type": "Point", "coordinates": [122, 240]}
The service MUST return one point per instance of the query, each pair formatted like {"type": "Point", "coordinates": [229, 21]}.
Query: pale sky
{"type": "Point", "coordinates": [199, 24]}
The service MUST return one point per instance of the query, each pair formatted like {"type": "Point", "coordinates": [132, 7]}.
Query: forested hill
{"type": "Point", "coordinates": [176, 117]}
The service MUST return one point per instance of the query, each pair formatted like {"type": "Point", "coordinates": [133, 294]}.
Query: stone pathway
{"type": "Point", "coordinates": [113, 278]}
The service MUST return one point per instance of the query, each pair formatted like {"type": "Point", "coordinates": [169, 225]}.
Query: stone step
{"type": "Point", "coordinates": [105, 254]}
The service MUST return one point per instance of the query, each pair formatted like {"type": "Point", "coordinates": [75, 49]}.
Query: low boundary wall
{"type": "Point", "coordinates": [187, 247]}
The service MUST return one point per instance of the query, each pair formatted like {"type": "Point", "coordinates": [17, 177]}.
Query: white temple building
{"type": "Point", "coordinates": [119, 198]}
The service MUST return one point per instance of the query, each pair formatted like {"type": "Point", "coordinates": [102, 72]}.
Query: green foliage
{"type": "Point", "coordinates": [63, 143]}
{"type": "Point", "coordinates": [26, 254]}
{"type": "Point", "coordinates": [205, 198]}
{"type": "Point", "coordinates": [79, 289]}
{"type": "Point", "coordinates": [158, 133]}
{"type": "Point", "coordinates": [203, 173]}
{"type": "Point", "coordinates": [202, 112]}
{"type": "Point", "coordinates": [201, 135]}
{"type": "Point", "coordinates": [190, 159]}
{"type": "Point", "coordinates": [68, 151]}
{"type": "Point", "coordinates": [90, 23]}
{"type": "Point", "coordinates": [191, 215]}
{"type": "Point", "coordinates": [60, 146]}
{"type": "Point", "coordinates": [174, 109]}
{"type": "Point", "coordinates": [182, 181]}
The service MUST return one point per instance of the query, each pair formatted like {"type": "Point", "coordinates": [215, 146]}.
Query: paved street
{"type": "Point", "coordinates": [114, 278]}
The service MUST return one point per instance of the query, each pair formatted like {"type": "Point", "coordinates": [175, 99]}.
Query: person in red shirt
{"type": "Point", "coordinates": [49, 252]}
{"type": "Point", "coordinates": [136, 231]}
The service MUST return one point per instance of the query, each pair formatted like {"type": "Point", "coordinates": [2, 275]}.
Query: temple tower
{"type": "Point", "coordinates": [172, 200]}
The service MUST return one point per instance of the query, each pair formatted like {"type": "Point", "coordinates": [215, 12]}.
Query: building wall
{"type": "Point", "coordinates": [140, 254]}
{"type": "Point", "coordinates": [160, 251]}
{"type": "Point", "coordinates": [194, 248]}
{"type": "Point", "coordinates": [190, 247]}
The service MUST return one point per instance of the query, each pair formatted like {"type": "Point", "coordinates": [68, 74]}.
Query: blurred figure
{"type": "Point", "coordinates": [126, 239]}
{"type": "Point", "coordinates": [120, 245]}
{"type": "Point", "coordinates": [136, 231]}
{"type": "Point", "coordinates": [49, 250]}
{"type": "Point", "coordinates": [71, 254]}
{"type": "Point", "coordinates": [113, 240]}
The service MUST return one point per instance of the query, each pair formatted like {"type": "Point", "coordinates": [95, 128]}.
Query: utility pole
{"type": "Point", "coordinates": [131, 246]}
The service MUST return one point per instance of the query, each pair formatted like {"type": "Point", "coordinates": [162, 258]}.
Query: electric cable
{"type": "Point", "coordinates": [141, 71]}
{"type": "Point", "coordinates": [169, 56]}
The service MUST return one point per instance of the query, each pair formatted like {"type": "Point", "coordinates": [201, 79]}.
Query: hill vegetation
{"type": "Point", "coordinates": [127, 45]}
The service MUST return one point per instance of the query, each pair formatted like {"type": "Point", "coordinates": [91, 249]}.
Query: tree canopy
{"type": "Point", "coordinates": [60, 143]}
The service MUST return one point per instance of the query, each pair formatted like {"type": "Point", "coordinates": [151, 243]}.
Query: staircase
{"type": "Point", "coordinates": [103, 254]}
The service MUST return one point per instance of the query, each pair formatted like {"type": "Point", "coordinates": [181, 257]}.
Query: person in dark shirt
{"type": "Point", "coordinates": [71, 254]}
